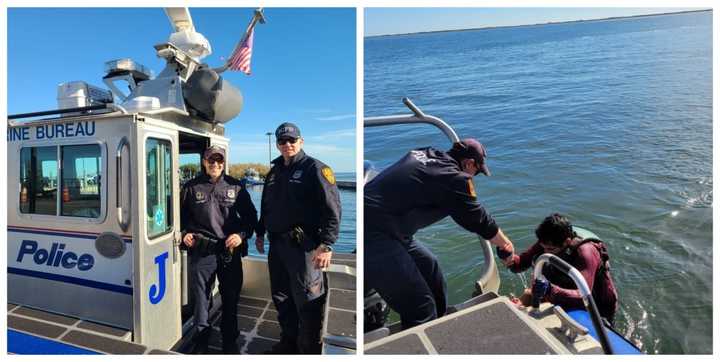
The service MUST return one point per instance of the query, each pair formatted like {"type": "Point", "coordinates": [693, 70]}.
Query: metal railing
{"type": "Point", "coordinates": [489, 279]}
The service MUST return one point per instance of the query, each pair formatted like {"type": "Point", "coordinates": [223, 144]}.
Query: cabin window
{"type": "Point", "coordinates": [61, 180]}
{"type": "Point", "coordinates": [81, 181]}
{"type": "Point", "coordinates": [159, 197]}
{"type": "Point", "coordinates": [38, 180]}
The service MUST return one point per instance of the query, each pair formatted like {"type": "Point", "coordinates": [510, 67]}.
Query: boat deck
{"type": "Point", "coordinates": [32, 331]}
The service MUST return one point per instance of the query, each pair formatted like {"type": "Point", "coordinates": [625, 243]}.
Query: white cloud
{"type": "Point", "coordinates": [339, 117]}
{"type": "Point", "coordinates": [332, 135]}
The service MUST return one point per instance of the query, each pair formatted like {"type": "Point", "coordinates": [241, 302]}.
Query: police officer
{"type": "Point", "coordinates": [422, 188]}
{"type": "Point", "coordinates": [301, 213]}
{"type": "Point", "coordinates": [218, 218]}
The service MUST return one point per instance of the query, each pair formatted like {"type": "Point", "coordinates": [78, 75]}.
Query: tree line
{"type": "Point", "coordinates": [191, 170]}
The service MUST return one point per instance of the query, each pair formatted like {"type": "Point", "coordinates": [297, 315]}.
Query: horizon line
{"type": "Point", "coordinates": [536, 24]}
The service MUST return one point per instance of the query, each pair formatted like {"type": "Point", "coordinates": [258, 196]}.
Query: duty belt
{"type": "Point", "coordinates": [296, 234]}
{"type": "Point", "coordinates": [210, 245]}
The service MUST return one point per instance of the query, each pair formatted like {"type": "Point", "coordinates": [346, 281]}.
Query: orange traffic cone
{"type": "Point", "coordinates": [66, 194]}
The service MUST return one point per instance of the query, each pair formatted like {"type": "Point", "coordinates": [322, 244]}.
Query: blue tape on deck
{"type": "Point", "coordinates": [22, 343]}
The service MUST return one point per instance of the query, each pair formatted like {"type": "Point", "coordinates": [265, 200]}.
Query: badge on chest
{"type": "Point", "coordinates": [200, 197]}
{"type": "Point", "coordinates": [296, 177]}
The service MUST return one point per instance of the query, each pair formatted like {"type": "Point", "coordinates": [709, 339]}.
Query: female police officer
{"type": "Point", "coordinates": [301, 212]}
{"type": "Point", "coordinates": [217, 216]}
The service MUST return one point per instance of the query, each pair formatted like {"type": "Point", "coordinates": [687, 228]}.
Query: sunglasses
{"type": "Point", "coordinates": [219, 160]}
{"type": "Point", "coordinates": [283, 141]}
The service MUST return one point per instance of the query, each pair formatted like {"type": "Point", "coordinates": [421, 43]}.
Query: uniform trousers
{"type": "Point", "coordinates": [204, 269]}
{"type": "Point", "coordinates": [408, 277]}
{"type": "Point", "coordinates": [298, 291]}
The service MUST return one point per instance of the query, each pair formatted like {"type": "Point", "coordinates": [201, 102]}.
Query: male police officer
{"type": "Point", "coordinates": [218, 218]}
{"type": "Point", "coordinates": [422, 188]}
{"type": "Point", "coordinates": [301, 212]}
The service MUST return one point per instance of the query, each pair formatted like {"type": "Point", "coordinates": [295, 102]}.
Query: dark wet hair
{"type": "Point", "coordinates": [554, 230]}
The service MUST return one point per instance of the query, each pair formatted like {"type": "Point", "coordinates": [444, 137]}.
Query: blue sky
{"type": "Point", "coordinates": [303, 67]}
{"type": "Point", "coordinates": [383, 21]}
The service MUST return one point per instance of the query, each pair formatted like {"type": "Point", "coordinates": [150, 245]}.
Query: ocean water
{"type": "Point", "coordinates": [346, 241]}
{"type": "Point", "coordinates": [608, 122]}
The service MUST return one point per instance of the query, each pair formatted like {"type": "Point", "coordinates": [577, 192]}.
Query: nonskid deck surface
{"type": "Point", "coordinates": [493, 327]}
{"type": "Point", "coordinates": [58, 332]}
{"type": "Point", "coordinates": [258, 325]}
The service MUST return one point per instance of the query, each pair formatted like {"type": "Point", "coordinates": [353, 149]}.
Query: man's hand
{"type": "Point", "coordinates": [189, 240]}
{"type": "Point", "coordinates": [321, 258]}
{"type": "Point", "coordinates": [260, 244]}
{"type": "Point", "coordinates": [526, 298]}
{"type": "Point", "coordinates": [233, 241]}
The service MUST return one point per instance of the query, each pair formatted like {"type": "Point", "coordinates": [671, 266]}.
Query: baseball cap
{"type": "Point", "coordinates": [475, 149]}
{"type": "Point", "coordinates": [213, 150]}
{"type": "Point", "coordinates": [287, 130]}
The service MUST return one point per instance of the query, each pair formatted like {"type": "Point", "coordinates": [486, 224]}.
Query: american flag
{"type": "Point", "coordinates": [240, 59]}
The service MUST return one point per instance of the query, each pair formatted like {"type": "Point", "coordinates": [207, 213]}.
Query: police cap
{"type": "Point", "coordinates": [287, 130]}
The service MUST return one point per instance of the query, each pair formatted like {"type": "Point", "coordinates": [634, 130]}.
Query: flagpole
{"type": "Point", "coordinates": [257, 16]}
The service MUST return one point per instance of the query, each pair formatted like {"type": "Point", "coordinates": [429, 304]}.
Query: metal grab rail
{"type": "Point", "coordinates": [489, 279]}
{"type": "Point", "coordinates": [585, 293]}
{"type": "Point", "coordinates": [123, 222]}
{"type": "Point", "coordinates": [417, 117]}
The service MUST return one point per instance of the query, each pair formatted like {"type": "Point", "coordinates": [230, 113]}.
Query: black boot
{"type": "Point", "coordinates": [230, 347]}
{"type": "Point", "coordinates": [201, 341]}
{"type": "Point", "coordinates": [283, 347]}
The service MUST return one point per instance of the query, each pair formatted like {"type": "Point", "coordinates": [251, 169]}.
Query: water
{"type": "Point", "coordinates": [346, 240]}
{"type": "Point", "coordinates": [609, 122]}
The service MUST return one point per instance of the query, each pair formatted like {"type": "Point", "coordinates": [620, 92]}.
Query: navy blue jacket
{"type": "Point", "coordinates": [302, 194]}
{"type": "Point", "coordinates": [422, 188]}
{"type": "Point", "coordinates": [217, 209]}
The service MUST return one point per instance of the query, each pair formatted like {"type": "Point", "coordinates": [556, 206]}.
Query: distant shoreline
{"type": "Point", "coordinates": [537, 24]}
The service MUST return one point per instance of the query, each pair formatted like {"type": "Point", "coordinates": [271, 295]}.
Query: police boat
{"type": "Point", "coordinates": [489, 323]}
{"type": "Point", "coordinates": [93, 236]}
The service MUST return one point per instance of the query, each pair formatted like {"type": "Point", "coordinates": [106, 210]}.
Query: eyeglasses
{"type": "Point", "coordinates": [217, 160]}
{"type": "Point", "coordinates": [283, 141]}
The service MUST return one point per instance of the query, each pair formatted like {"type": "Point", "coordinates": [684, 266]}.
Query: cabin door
{"type": "Point", "coordinates": [157, 231]}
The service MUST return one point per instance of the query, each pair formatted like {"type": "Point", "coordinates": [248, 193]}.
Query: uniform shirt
{"type": "Point", "coordinates": [304, 194]}
{"type": "Point", "coordinates": [422, 188]}
{"type": "Point", "coordinates": [217, 209]}
{"type": "Point", "coordinates": [587, 260]}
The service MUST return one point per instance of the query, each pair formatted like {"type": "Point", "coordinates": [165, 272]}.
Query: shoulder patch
{"type": "Point", "coordinates": [471, 188]}
{"type": "Point", "coordinates": [328, 174]}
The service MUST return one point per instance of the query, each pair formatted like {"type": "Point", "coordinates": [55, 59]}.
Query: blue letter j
{"type": "Point", "coordinates": [155, 295]}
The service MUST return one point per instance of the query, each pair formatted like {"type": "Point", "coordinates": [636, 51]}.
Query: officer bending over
{"type": "Point", "coordinates": [218, 218]}
{"type": "Point", "coordinates": [422, 188]}
{"type": "Point", "coordinates": [301, 213]}
{"type": "Point", "coordinates": [589, 256]}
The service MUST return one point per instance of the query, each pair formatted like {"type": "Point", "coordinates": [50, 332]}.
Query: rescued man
{"type": "Point", "coordinates": [589, 256]}
{"type": "Point", "coordinates": [300, 210]}
{"type": "Point", "coordinates": [423, 187]}
{"type": "Point", "coordinates": [217, 217]}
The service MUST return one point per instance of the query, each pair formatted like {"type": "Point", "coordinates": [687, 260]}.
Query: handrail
{"type": "Point", "coordinates": [417, 117]}
{"type": "Point", "coordinates": [489, 279]}
{"type": "Point", "coordinates": [123, 223]}
{"type": "Point", "coordinates": [585, 293]}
